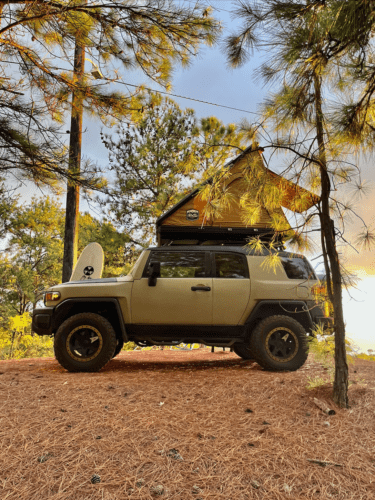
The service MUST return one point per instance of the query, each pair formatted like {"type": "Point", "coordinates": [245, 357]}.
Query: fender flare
{"type": "Point", "coordinates": [283, 304]}
{"type": "Point", "coordinates": [71, 302]}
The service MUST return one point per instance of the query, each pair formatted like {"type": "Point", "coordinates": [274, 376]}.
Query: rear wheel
{"type": "Point", "coordinates": [243, 351]}
{"type": "Point", "coordinates": [279, 343]}
{"type": "Point", "coordinates": [85, 343]}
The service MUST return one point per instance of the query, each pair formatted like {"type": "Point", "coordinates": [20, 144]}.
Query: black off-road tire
{"type": "Point", "coordinates": [279, 343]}
{"type": "Point", "coordinates": [120, 345]}
{"type": "Point", "coordinates": [89, 326]}
{"type": "Point", "coordinates": [243, 351]}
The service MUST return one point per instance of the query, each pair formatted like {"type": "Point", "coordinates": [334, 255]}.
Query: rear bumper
{"type": "Point", "coordinates": [324, 322]}
{"type": "Point", "coordinates": [317, 315]}
{"type": "Point", "coordinates": [42, 321]}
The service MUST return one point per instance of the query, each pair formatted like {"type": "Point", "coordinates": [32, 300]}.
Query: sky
{"type": "Point", "coordinates": [208, 78]}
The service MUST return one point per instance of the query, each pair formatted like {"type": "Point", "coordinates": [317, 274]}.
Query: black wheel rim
{"type": "Point", "coordinates": [84, 343]}
{"type": "Point", "coordinates": [282, 344]}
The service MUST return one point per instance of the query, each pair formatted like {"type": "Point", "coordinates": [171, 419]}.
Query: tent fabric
{"type": "Point", "coordinates": [189, 212]}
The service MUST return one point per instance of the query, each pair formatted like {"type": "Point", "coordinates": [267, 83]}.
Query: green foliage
{"type": "Point", "coordinates": [157, 159]}
{"type": "Point", "coordinates": [311, 54]}
{"type": "Point", "coordinates": [322, 345]}
{"type": "Point", "coordinates": [152, 160]}
{"type": "Point", "coordinates": [129, 346]}
{"type": "Point", "coordinates": [368, 357]}
{"type": "Point", "coordinates": [33, 259]}
{"type": "Point", "coordinates": [36, 43]}
{"type": "Point", "coordinates": [119, 253]}
{"type": "Point", "coordinates": [313, 382]}
{"type": "Point", "coordinates": [218, 142]}
{"type": "Point", "coordinates": [8, 202]}
{"type": "Point", "coordinates": [17, 342]}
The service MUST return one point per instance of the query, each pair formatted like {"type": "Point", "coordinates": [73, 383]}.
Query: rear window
{"type": "Point", "coordinates": [298, 268]}
{"type": "Point", "coordinates": [229, 265]}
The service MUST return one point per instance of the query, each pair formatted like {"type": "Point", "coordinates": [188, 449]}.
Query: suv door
{"type": "Point", "coordinates": [183, 292]}
{"type": "Point", "coordinates": [231, 287]}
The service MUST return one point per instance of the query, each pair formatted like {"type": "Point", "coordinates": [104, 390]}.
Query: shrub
{"type": "Point", "coordinates": [16, 342]}
{"type": "Point", "coordinates": [365, 356]}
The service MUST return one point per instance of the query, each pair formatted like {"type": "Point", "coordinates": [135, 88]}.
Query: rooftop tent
{"type": "Point", "coordinates": [186, 222]}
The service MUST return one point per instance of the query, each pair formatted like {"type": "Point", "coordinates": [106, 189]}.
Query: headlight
{"type": "Point", "coordinates": [51, 297]}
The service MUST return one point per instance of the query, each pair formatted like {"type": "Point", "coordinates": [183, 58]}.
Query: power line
{"type": "Point", "coordinates": [209, 5]}
{"type": "Point", "coordinates": [190, 98]}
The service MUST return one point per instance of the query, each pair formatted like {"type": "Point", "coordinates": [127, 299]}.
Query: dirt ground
{"type": "Point", "coordinates": [182, 425]}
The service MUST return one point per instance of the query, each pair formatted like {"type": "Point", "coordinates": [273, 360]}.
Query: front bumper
{"type": "Point", "coordinates": [42, 321]}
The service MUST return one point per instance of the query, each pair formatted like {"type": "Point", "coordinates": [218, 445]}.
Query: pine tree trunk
{"type": "Point", "coordinates": [331, 261]}
{"type": "Point", "coordinates": [72, 194]}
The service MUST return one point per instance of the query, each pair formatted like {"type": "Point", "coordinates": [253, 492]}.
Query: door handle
{"type": "Point", "coordinates": [201, 288]}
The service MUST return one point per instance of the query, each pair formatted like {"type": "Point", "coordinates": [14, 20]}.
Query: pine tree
{"type": "Point", "coordinates": [158, 159]}
{"type": "Point", "coordinates": [31, 261]}
{"type": "Point", "coordinates": [37, 41]}
{"type": "Point", "coordinates": [153, 35]}
{"type": "Point", "coordinates": [307, 57]}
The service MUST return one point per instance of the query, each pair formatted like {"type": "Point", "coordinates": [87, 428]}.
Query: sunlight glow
{"type": "Point", "coordinates": [359, 313]}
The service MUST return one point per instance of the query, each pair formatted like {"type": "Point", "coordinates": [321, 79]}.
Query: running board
{"type": "Point", "coordinates": [211, 342]}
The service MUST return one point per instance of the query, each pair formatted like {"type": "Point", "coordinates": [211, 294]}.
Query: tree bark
{"type": "Point", "coordinates": [332, 264]}
{"type": "Point", "coordinates": [72, 193]}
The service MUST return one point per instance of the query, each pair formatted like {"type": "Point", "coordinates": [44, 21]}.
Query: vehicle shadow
{"type": "Point", "coordinates": [127, 364]}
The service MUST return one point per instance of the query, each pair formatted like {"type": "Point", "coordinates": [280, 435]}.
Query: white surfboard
{"type": "Point", "coordinates": [90, 263]}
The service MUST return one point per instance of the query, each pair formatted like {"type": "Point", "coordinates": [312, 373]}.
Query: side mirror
{"type": "Point", "coordinates": [153, 273]}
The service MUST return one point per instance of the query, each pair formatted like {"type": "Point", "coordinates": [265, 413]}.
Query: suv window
{"type": "Point", "coordinates": [179, 264]}
{"type": "Point", "coordinates": [298, 268]}
{"type": "Point", "coordinates": [230, 265]}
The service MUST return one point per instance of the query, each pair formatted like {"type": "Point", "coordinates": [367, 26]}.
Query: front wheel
{"type": "Point", "coordinates": [120, 345]}
{"type": "Point", "coordinates": [85, 342]}
{"type": "Point", "coordinates": [279, 343]}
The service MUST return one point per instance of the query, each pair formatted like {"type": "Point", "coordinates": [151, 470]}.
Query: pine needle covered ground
{"type": "Point", "coordinates": [183, 425]}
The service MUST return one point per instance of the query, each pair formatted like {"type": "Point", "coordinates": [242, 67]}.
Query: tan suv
{"type": "Point", "coordinates": [212, 295]}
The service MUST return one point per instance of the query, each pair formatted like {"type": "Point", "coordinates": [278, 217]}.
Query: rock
{"type": "Point", "coordinates": [157, 490]}
{"type": "Point", "coordinates": [173, 453]}
{"type": "Point", "coordinates": [195, 490]}
{"type": "Point", "coordinates": [308, 414]}
{"type": "Point", "coordinates": [248, 410]}
{"type": "Point", "coordinates": [255, 484]}
{"type": "Point", "coordinates": [326, 424]}
{"type": "Point", "coordinates": [287, 488]}
{"type": "Point", "coordinates": [44, 458]}
{"type": "Point", "coordinates": [95, 478]}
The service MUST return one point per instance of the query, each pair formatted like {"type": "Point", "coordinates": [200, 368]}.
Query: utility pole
{"type": "Point", "coordinates": [72, 193]}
